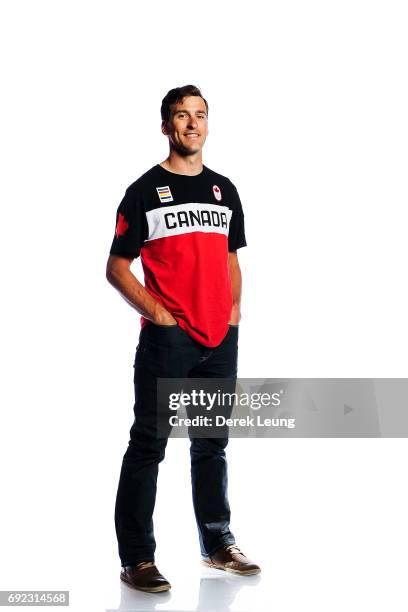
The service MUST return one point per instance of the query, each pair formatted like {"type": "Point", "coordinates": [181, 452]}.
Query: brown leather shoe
{"type": "Point", "coordinates": [231, 559]}
{"type": "Point", "coordinates": [144, 576]}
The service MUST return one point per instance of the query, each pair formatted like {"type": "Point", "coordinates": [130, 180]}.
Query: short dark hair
{"type": "Point", "coordinates": [176, 95]}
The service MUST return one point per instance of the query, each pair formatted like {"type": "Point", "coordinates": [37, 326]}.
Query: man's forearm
{"type": "Point", "coordinates": [236, 288]}
{"type": "Point", "coordinates": [136, 295]}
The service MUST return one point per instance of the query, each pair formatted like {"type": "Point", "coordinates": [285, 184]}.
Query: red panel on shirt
{"type": "Point", "coordinates": [188, 274]}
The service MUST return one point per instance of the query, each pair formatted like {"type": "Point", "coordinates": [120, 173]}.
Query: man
{"type": "Point", "coordinates": [186, 223]}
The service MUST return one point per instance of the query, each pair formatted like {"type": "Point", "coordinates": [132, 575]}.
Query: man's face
{"type": "Point", "coordinates": [187, 127]}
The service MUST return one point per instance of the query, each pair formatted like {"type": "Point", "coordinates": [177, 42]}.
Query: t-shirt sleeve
{"type": "Point", "coordinates": [130, 227]}
{"type": "Point", "coordinates": [236, 234]}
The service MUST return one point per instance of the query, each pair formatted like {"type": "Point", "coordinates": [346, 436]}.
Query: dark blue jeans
{"type": "Point", "coordinates": [167, 351]}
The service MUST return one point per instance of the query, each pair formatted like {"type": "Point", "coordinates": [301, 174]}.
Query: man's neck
{"type": "Point", "coordinates": [190, 164]}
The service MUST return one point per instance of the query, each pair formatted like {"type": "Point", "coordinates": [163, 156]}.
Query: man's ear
{"type": "Point", "coordinates": [164, 128]}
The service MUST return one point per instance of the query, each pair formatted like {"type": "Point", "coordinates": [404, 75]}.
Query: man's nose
{"type": "Point", "coordinates": [192, 122]}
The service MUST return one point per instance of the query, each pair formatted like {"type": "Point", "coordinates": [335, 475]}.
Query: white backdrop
{"type": "Point", "coordinates": [308, 118]}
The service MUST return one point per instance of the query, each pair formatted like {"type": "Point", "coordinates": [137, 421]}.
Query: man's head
{"type": "Point", "coordinates": [184, 114]}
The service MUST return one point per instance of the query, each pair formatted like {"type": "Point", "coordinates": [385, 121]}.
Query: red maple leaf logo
{"type": "Point", "coordinates": [121, 226]}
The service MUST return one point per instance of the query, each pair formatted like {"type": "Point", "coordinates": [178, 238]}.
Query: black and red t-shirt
{"type": "Point", "coordinates": [183, 228]}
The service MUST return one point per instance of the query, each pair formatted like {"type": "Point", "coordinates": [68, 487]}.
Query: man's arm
{"type": "Point", "coordinates": [119, 275]}
{"type": "Point", "coordinates": [236, 286]}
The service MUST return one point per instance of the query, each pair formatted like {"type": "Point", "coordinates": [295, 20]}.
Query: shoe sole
{"type": "Point", "coordinates": [158, 589]}
{"type": "Point", "coordinates": [249, 572]}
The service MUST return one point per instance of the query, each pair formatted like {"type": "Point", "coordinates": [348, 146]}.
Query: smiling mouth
{"type": "Point", "coordinates": [192, 135]}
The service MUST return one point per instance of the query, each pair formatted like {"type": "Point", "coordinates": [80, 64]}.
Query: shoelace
{"type": "Point", "coordinates": [233, 548]}
{"type": "Point", "coordinates": [144, 565]}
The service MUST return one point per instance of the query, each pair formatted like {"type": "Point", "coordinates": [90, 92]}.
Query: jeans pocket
{"type": "Point", "coordinates": [160, 325]}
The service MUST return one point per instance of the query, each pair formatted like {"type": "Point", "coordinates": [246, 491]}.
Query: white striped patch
{"type": "Point", "coordinates": [187, 218]}
{"type": "Point", "coordinates": [164, 194]}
